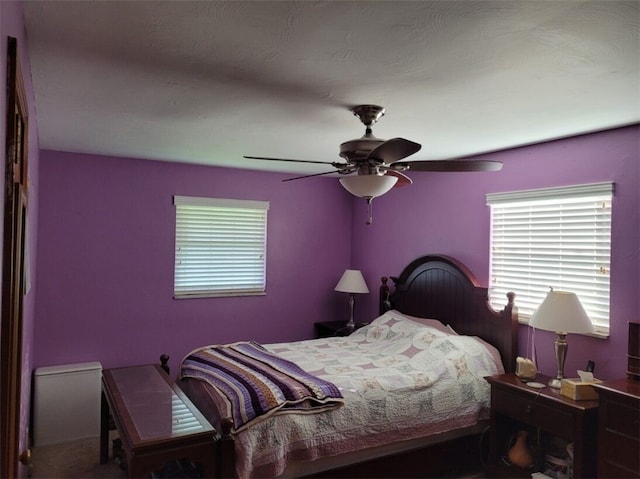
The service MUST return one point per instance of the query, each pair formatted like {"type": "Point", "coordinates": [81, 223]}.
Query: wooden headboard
{"type": "Point", "coordinates": [440, 287]}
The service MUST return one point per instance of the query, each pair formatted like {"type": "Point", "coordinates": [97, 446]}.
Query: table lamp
{"type": "Point", "coordinates": [353, 283]}
{"type": "Point", "coordinates": [562, 313]}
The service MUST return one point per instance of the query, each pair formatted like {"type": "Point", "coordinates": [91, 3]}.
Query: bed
{"type": "Point", "coordinates": [435, 300]}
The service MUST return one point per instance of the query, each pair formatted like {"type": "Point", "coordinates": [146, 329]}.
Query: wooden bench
{"type": "Point", "coordinates": [156, 422]}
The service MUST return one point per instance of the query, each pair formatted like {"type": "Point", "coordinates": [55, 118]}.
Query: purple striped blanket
{"type": "Point", "coordinates": [256, 383]}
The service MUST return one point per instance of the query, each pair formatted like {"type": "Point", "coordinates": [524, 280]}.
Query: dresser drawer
{"type": "Point", "coordinates": [621, 418]}
{"type": "Point", "coordinates": [533, 411]}
{"type": "Point", "coordinates": [619, 453]}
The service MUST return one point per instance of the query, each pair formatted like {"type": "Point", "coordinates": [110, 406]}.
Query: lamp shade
{"type": "Point", "coordinates": [352, 282]}
{"type": "Point", "coordinates": [561, 312]}
{"type": "Point", "coordinates": [368, 186]}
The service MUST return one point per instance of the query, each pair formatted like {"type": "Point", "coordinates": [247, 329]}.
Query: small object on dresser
{"type": "Point", "coordinates": [580, 389]}
{"type": "Point", "coordinates": [526, 369]}
{"type": "Point", "coordinates": [536, 385]}
{"type": "Point", "coordinates": [591, 366]}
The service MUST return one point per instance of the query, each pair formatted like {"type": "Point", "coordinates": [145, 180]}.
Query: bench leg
{"type": "Point", "coordinates": [104, 430]}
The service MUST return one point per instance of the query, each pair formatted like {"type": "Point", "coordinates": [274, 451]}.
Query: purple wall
{"type": "Point", "coordinates": [12, 24]}
{"type": "Point", "coordinates": [105, 256]}
{"type": "Point", "coordinates": [446, 213]}
{"type": "Point", "coordinates": [106, 253]}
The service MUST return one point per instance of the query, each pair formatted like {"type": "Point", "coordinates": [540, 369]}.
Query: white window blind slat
{"type": "Point", "coordinates": [552, 237]}
{"type": "Point", "coordinates": [220, 247]}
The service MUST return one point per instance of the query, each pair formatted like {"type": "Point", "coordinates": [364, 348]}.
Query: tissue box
{"type": "Point", "coordinates": [579, 390]}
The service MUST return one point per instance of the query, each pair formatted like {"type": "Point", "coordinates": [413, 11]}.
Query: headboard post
{"type": "Point", "coordinates": [510, 316]}
{"type": "Point", "coordinates": [164, 363]}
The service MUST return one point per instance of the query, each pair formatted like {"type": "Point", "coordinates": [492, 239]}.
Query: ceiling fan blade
{"type": "Point", "coordinates": [452, 165]}
{"type": "Point", "coordinates": [294, 161]}
{"type": "Point", "coordinates": [403, 180]}
{"type": "Point", "coordinates": [394, 150]}
{"type": "Point", "coordinates": [309, 176]}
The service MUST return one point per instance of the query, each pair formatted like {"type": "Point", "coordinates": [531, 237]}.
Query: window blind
{"type": "Point", "coordinates": [220, 247]}
{"type": "Point", "coordinates": [552, 237]}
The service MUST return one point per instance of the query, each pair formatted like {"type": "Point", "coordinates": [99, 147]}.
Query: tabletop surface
{"type": "Point", "coordinates": [155, 406]}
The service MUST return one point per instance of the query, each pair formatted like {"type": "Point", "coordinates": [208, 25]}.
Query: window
{"type": "Point", "coordinates": [220, 247]}
{"type": "Point", "coordinates": [552, 237]}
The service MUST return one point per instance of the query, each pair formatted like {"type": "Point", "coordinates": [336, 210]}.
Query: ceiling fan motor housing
{"type": "Point", "coordinates": [359, 148]}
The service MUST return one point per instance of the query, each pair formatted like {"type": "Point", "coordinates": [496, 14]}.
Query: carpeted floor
{"type": "Point", "coordinates": [81, 460]}
{"type": "Point", "coordinates": [78, 459]}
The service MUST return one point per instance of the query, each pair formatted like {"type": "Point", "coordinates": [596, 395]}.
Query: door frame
{"type": "Point", "coordinates": [13, 265]}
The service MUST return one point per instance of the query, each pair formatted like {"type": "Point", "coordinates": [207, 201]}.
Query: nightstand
{"type": "Point", "coordinates": [326, 329]}
{"type": "Point", "coordinates": [548, 416]}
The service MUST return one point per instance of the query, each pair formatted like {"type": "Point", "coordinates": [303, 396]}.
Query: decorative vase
{"type": "Point", "coordinates": [519, 454]}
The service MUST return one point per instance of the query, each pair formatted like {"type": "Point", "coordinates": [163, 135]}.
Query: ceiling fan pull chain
{"type": "Point", "coordinates": [369, 210]}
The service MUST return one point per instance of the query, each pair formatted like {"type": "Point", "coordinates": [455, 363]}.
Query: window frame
{"type": "Point", "coordinates": [208, 230]}
{"type": "Point", "coordinates": [584, 268]}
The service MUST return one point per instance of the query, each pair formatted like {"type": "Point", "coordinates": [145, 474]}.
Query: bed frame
{"type": "Point", "coordinates": [432, 286]}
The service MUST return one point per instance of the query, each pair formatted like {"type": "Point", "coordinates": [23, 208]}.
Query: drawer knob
{"type": "Point", "coordinates": [528, 409]}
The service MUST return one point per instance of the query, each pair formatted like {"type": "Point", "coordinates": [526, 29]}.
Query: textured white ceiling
{"type": "Point", "coordinates": [210, 81]}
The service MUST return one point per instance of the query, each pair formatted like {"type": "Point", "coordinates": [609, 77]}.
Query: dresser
{"type": "Point", "coordinates": [619, 417]}
{"type": "Point", "coordinates": [618, 428]}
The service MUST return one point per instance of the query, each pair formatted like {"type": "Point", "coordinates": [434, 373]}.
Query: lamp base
{"type": "Point", "coordinates": [555, 383]}
{"type": "Point", "coordinates": [561, 347]}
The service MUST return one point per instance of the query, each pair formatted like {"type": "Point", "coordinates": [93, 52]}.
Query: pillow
{"type": "Point", "coordinates": [433, 323]}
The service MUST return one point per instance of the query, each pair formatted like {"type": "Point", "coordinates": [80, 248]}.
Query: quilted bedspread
{"type": "Point", "coordinates": [257, 383]}
{"type": "Point", "coordinates": [400, 380]}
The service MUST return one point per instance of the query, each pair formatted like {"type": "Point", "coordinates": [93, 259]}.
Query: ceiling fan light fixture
{"type": "Point", "coordinates": [368, 186]}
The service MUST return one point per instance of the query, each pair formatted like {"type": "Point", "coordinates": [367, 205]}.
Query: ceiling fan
{"type": "Point", "coordinates": [377, 163]}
